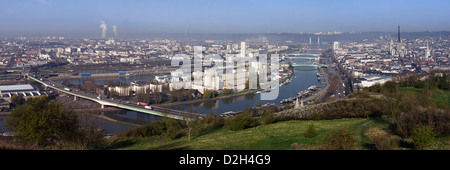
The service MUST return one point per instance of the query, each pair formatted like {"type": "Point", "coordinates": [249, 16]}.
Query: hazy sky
{"type": "Point", "coordinates": [224, 16]}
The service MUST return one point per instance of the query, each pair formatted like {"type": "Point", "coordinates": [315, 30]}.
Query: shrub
{"type": "Point", "coordinates": [271, 109]}
{"type": "Point", "coordinates": [207, 124]}
{"type": "Point", "coordinates": [227, 91]}
{"type": "Point", "coordinates": [157, 128]}
{"type": "Point", "coordinates": [423, 136]}
{"type": "Point", "coordinates": [437, 119]}
{"type": "Point", "coordinates": [91, 138]}
{"type": "Point", "coordinates": [209, 94]}
{"type": "Point", "coordinates": [17, 100]}
{"type": "Point", "coordinates": [241, 121]}
{"type": "Point", "coordinates": [379, 138]}
{"type": "Point", "coordinates": [214, 120]}
{"type": "Point", "coordinates": [140, 131]}
{"type": "Point", "coordinates": [310, 132]}
{"type": "Point", "coordinates": [340, 140]}
{"type": "Point", "coordinates": [173, 129]}
{"type": "Point", "coordinates": [44, 122]}
{"type": "Point", "coordinates": [268, 118]}
{"type": "Point", "coordinates": [47, 122]}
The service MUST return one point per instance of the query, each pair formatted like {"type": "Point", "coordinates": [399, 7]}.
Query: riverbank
{"type": "Point", "coordinates": [105, 114]}
{"type": "Point", "coordinates": [203, 100]}
{"type": "Point", "coordinates": [320, 95]}
{"type": "Point", "coordinates": [245, 92]}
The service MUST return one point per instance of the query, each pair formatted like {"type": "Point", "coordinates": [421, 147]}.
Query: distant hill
{"type": "Point", "coordinates": [271, 37]}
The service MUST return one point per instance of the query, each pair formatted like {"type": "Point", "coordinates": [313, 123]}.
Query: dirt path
{"type": "Point", "coordinates": [358, 131]}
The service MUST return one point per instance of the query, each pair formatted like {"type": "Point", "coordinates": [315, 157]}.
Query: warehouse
{"type": "Point", "coordinates": [25, 90]}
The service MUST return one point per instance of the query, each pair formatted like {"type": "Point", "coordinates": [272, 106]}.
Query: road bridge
{"type": "Point", "coordinates": [310, 65]}
{"type": "Point", "coordinates": [159, 111]}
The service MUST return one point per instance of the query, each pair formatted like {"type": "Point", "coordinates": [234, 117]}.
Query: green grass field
{"type": "Point", "coordinates": [441, 97]}
{"type": "Point", "coordinates": [277, 136]}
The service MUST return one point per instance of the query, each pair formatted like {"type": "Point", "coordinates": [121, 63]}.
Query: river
{"type": "Point", "coordinates": [301, 81]}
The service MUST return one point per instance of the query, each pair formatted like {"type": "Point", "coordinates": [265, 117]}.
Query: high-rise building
{"type": "Point", "coordinates": [335, 45]}
{"type": "Point", "coordinates": [243, 49]}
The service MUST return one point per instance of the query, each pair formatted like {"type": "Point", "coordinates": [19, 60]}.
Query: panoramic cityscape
{"type": "Point", "coordinates": [224, 75]}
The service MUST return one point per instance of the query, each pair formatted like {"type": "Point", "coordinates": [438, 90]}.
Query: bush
{"type": "Point", "coordinates": [437, 119]}
{"type": "Point", "coordinates": [340, 140]}
{"type": "Point", "coordinates": [241, 121]}
{"type": "Point", "coordinates": [157, 128]}
{"type": "Point", "coordinates": [206, 124]}
{"type": "Point", "coordinates": [140, 131]}
{"type": "Point", "coordinates": [380, 138]}
{"type": "Point", "coordinates": [47, 122]}
{"type": "Point", "coordinates": [172, 129]}
{"type": "Point", "coordinates": [44, 122]}
{"type": "Point", "coordinates": [271, 109]}
{"type": "Point", "coordinates": [209, 94]}
{"type": "Point", "coordinates": [268, 118]}
{"type": "Point", "coordinates": [227, 91]}
{"type": "Point", "coordinates": [91, 138]}
{"type": "Point", "coordinates": [213, 120]}
{"type": "Point", "coordinates": [423, 136]}
{"type": "Point", "coordinates": [310, 132]}
{"type": "Point", "coordinates": [17, 100]}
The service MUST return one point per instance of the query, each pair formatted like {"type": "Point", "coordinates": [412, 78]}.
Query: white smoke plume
{"type": "Point", "coordinates": [115, 30]}
{"type": "Point", "coordinates": [104, 28]}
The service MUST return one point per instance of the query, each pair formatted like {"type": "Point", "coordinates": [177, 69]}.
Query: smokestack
{"type": "Point", "coordinates": [318, 42]}
{"type": "Point", "coordinates": [399, 40]}
{"type": "Point", "coordinates": [115, 30]}
{"type": "Point", "coordinates": [309, 42]}
{"type": "Point", "coordinates": [104, 28]}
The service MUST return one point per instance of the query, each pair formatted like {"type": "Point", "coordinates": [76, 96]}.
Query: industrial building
{"type": "Point", "coordinates": [25, 90]}
{"type": "Point", "coordinates": [120, 73]}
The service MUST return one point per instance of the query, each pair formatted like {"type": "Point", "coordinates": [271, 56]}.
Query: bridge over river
{"type": "Point", "coordinates": [159, 111]}
{"type": "Point", "coordinates": [314, 58]}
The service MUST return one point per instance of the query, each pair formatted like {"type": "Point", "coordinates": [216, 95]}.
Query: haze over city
{"type": "Point", "coordinates": [35, 17]}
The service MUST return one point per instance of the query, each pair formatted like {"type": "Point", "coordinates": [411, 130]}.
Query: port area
{"type": "Point", "coordinates": [311, 95]}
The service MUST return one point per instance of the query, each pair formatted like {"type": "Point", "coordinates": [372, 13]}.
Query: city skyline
{"type": "Point", "coordinates": [120, 17]}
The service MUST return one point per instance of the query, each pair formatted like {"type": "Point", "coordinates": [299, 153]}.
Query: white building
{"type": "Point", "coordinates": [372, 80]}
{"type": "Point", "coordinates": [335, 45]}
{"type": "Point", "coordinates": [243, 49]}
{"type": "Point", "coordinates": [25, 90]}
{"type": "Point", "coordinates": [212, 80]}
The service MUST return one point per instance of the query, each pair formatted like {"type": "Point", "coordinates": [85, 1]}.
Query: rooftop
{"type": "Point", "coordinates": [18, 87]}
